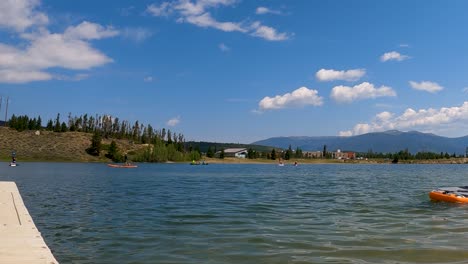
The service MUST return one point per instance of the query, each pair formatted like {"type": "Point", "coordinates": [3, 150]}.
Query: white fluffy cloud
{"type": "Point", "coordinates": [88, 31]}
{"type": "Point", "coordinates": [430, 120]}
{"type": "Point", "coordinates": [298, 98]}
{"type": "Point", "coordinates": [393, 55]}
{"type": "Point", "coordinates": [197, 13]}
{"type": "Point", "coordinates": [45, 50]}
{"type": "Point", "coordinates": [431, 87]}
{"type": "Point", "coordinates": [261, 10]}
{"type": "Point", "coordinates": [365, 90]}
{"type": "Point", "coordinates": [21, 14]}
{"type": "Point", "coordinates": [23, 76]}
{"type": "Point", "coordinates": [205, 20]}
{"type": "Point", "coordinates": [268, 33]}
{"type": "Point", "coordinates": [325, 75]}
{"type": "Point", "coordinates": [173, 121]}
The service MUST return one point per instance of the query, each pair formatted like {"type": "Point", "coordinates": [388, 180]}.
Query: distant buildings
{"type": "Point", "coordinates": [242, 153]}
{"type": "Point", "coordinates": [312, 154]}
{"type": "Point", "coordinates": [234, 152]}
{"type": "Point", "coordinates": [334, 155]}
{"type": "Point", "coordinates": [343, 155]}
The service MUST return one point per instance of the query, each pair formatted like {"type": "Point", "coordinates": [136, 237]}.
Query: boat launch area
{"type": "Point", "coordinates": [21, 241]}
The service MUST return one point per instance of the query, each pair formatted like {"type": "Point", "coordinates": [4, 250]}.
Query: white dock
{"type": "Point", "coordinates": [20, 241]}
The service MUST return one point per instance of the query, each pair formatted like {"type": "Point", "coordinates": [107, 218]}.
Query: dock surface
{"type": "Point", "coordinates": [20, 241]}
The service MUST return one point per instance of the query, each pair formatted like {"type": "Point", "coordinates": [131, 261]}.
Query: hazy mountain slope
{"type": "Point", "coordinates": [388, 141]}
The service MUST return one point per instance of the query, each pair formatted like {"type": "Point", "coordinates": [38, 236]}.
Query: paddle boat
{"type": "Point", "coordinates": [450, 194]}
{"type": "Point", "coordinates": [198, 163]}
{"type": "Point", "coordinates": [125, 165]}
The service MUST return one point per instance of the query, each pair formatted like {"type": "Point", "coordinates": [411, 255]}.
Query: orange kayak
{"type": "Point", "coordinates": [122, 165]}
{"type": "Point", "coordinates": [450, 194]}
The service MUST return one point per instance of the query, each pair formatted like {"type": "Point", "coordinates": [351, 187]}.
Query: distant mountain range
{"type": "Point", "coordinates": [386, 142]}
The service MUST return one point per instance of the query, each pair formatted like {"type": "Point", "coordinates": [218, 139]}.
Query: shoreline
{"type": "Point", "coordinates": [273, 162]}
{"type": "Point", "coordinates": [333, 161]}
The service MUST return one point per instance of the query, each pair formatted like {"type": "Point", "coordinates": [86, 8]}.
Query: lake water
{"type": "Point", "coordinates": [177, 213]}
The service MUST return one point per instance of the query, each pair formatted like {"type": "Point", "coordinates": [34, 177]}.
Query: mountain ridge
{"type": "Point", "coordinates": [389, 141]}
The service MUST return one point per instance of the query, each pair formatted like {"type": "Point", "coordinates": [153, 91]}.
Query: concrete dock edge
{"type": "Point", "coordinates": [21, 242]}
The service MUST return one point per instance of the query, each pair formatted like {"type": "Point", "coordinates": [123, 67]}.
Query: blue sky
{"type": "Point", "coordinates": [240, 71]}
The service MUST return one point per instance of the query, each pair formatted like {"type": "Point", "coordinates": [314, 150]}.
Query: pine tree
{"type": "Point", "coordinates": [50, 125]}
{"type": "Point", "coordinates": [63, 127]}
{"type": "Point", "coordinates": [288, 153]}
{"type": "Point", "coordinates": [39, 123]}
{"type": "Point", "coordinates": [273, 154]}
{"type": "Point", "coordinates": [209, 152]}
{"type": "Point", "coordinates": [95, 148]}
{"type": "Point", "coordinates": [57, 126]}
{"type": "Point", "coordinates": [113, 152]}
{"type": "Point", "coordinates": [221, 154]}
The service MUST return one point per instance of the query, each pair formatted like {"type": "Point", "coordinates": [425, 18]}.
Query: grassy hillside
{"type": "Point", "coordinates": [51, 146]}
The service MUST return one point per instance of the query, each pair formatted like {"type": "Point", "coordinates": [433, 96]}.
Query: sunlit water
{"type": "Point", "coordinates": [177, 213]}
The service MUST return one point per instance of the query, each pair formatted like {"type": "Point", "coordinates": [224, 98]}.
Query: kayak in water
{"type": "Point", "coordinates": [450, 194]}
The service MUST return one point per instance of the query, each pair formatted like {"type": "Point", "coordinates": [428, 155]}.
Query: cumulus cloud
{"type": "Point", "coordinates": [261, 10]}
{"type": "Point", "coordinates": [205, 20]}
{"type": "Point", "coordinates": [298, 98]}
{"type": "Point", "coordinates": [393, 55]}
{"type": "Point", "coordinates": [44, 50]}
{"type": "Point", "coordinates": [23, 76]}
{"type": "Point", "coordinates": [20, 15]}
{"type": "Point", "coordinates": [197, 13]}
{"type": "Point", "coordinates": [430, 120]}
{"type": "Point", "coordinates": [431, 87]}
{"type": "Point", "coordinates": [325, 75]}
{"type": "Point", "coordinates": [365, 90]}
{"type": "Point", "coordinates": [87, 30]}
{"type": "Point", "coordinates": [173, 121]}
{"type": "Point", "coordinates": [267, 33]}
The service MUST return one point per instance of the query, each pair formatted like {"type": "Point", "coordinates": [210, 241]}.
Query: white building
{"type": "Point", "coordinates": [235, 152]}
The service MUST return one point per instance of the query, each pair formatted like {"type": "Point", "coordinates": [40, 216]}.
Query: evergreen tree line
{"type": "Point", "coordinates": [406, 155]}
{"type": "Point", "coordinates": [286, 155]}
{"type": "Point", "coordinates": [163, 145]}
{"type": "Point", "coordinates": [254, 154]}
{"type": "Point", "coordinates": [107, 126]}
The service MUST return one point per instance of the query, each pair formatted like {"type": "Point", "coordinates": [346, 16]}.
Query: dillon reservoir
{"type": "Point", "coordinates": [230, 213]}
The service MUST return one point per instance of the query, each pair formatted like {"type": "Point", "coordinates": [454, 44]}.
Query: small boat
{"type": "Point", "coordinates": [198, 163]}
{"type": "Point", "coordinates": [450, 194]}
{"type": "Point", "coordinates": [122, 165]}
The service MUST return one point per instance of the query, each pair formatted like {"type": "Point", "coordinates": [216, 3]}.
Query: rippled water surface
{"type": "Point", "coordinates": [177, 213]}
